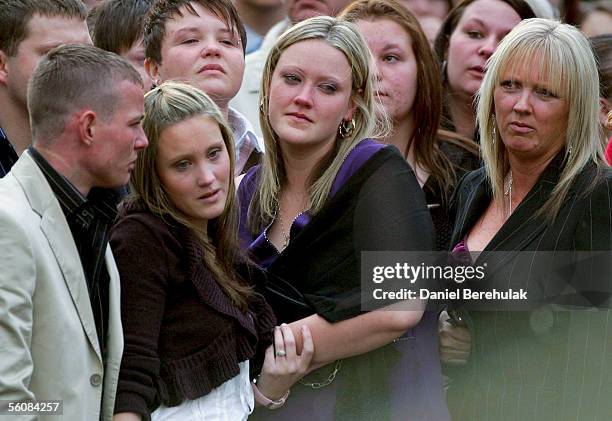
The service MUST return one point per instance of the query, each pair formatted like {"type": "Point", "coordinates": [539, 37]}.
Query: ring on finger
{"type": "Point", "coordinates": [281, 353]}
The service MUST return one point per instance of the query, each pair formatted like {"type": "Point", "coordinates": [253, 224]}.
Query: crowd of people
{"type": "Point", "coordinates": [184, 226]}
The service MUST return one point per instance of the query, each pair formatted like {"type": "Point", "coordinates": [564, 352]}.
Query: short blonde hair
{"type": "Point", "coordinates": [569, 66]}
{"type": "Point", "coordinates": [344, 37]}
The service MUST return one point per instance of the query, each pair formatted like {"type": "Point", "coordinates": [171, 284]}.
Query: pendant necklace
{"type": "Point", "coordinates": [508, 193]}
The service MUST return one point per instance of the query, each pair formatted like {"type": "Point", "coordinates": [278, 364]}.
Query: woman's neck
{"type": "Point", "coordinates": [462, 114]}
{"type": "Point", "coordinates": [299, 163]}
{"type": "Point", "coordinates": [401, 135]}
{"type": "Point", "coordinates": [402, 138]}
{"type": "Point", "coordinates": [525, 173]}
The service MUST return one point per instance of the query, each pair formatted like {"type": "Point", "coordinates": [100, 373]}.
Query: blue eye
{"type": "Point", "coordinates": [545, 93]}
{"type": "Point", "coordinates": [291, 79]}
{"type": "Point", "coordinates": [214, 153]}
{"type": "Point", "coordinates": [328, 88]}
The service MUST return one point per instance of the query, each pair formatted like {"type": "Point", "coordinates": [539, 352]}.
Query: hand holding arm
{"type": "Point", "coordinates": [283, 365]}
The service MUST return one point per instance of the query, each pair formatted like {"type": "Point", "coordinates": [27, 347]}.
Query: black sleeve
{"type": "Point", "coordinates": [391, 212]}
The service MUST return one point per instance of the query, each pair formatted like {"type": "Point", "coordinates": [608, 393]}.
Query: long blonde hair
{"type": "Point", "coordinates": [169, 104]}
{"type": "Point", "coordinates": [570, 68]}
{"type": "Point", "coordinates": [344, 37]}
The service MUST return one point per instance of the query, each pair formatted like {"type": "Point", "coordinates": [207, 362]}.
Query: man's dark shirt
{"type": "Point", "coordinates": [8, 156]}
{"type": "Point", "coordinates": [89, 220]}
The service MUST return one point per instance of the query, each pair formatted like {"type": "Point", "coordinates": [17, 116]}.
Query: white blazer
{"type": "Point", "coordinates": [48, 342]}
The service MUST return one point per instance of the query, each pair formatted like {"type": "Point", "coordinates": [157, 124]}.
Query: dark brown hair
{"type": "Point", "coordinates": [452, 20]}
{"type": "Point", "coordinates": [164, 10]}
{"type": "Point", "coordinates": [428, 98]}
{"type": "Point", "coordinates": [16, 14]}
{"type": "Point", "coordinates": [115, 25]}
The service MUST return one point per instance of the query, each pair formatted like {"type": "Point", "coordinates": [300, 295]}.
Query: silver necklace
{"type": "Point", "coordinates": [286, 235]}
{"type": "Point", "coordinates": [508, 193]}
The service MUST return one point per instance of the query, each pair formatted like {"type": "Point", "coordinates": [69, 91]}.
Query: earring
{"type": "Point", "coordinates": [494, 129]}
{"type": "Point", "coordinates": [443, 71]}
{"type": "Point", "coordinates": [346, 128]}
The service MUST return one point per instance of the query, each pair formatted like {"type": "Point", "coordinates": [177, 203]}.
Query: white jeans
{"type": "Point", "coordinates": [231, 401]}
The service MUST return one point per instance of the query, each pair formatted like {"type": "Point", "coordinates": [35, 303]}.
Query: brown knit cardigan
{"type": "Point", "coordinates": [183, 335]}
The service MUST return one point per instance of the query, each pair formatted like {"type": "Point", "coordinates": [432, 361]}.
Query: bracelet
{"type": "Point", "coordinates": [267, 402]}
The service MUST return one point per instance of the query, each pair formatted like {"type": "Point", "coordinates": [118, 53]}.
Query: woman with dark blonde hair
{"type": "Point", "coordinates": [324, 194]}
{"type": "Point", "coordinates": [192, 316]}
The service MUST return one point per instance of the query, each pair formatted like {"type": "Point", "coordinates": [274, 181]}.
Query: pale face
{"type": "Point", "coordinates": [310, 95]}
{"type": "Point", "coordinates": [422, 8]}
{"type": "Point", "coordinates": [202, 51]}
{"type": "Point", "coordinates": [396, 66]}
{"type": "Point", "coordinates": [598, 22]}
{"type": "Point", "coordinates": [531, 116]}
{"type": "Point", "coordinates": [193, 165]}
{"type": "Point", "coordinates": [44, 34]}
{"type": "Point", "coordinates": [482, 26]}
{"type": "Point", "coordinates": [299, 10]}
{"type": "Point", "coordinates": [136, 56]}
{"type": "Point", "coordinates": [116, 142]}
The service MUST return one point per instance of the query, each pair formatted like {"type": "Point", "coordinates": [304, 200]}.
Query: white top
{"type": "Point", "coordinates": [231, 401]}
{"type": "Point", "coordinates": [247, 99]}
{"type": "Point", "coordinates": [244, 137]}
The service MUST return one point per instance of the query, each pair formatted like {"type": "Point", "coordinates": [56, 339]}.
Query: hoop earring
{"type": "Point", "coordinates": [494, 129]}
{"type": "Point", "coordinates": [346, 128]}
{"type": "Point", "coordinates": [443, 71]}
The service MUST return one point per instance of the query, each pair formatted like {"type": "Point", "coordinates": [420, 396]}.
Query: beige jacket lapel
{"type": "Point", "coordinates": [58, 234]}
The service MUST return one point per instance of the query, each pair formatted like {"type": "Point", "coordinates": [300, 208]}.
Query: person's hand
{"type": "Point", "coordinates": [283, 366]}
{"type": "Point", "coordinates": [455, 341]}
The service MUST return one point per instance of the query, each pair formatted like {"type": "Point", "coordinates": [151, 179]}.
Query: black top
{"type": "Point", "coordinates": [442, 214]}
{"type": "Point", "coordinates": [8, 156]}
{"type": "Point", "coordinates": [380, 208]}
{"type": "Point", "coordinates": [89, 220]}
{"type": "Point", "coordinates": [546, 362]}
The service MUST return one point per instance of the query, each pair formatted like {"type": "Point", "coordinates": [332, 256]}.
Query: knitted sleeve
{"type": "Point", "coordinates": [143, 267]}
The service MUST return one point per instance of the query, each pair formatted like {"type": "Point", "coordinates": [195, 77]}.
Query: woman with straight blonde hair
{"type": "Point", "coordinates": [192, 316]}
{"type": "Point", "coordinates": [324, 194]}
{"type": "Point", "coordinates": [539, 215]}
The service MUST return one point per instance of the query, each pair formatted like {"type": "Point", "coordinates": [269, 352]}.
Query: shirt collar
{"type": "Point", "coordinates": [103, 201]}
{"type": "Point", "coordinates": [243, 130]}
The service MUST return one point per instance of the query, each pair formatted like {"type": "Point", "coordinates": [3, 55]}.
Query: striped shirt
{"type": "Point", "coordinates": [8, 156]}
{"type": "Point", "coordinates": [89, 219]}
